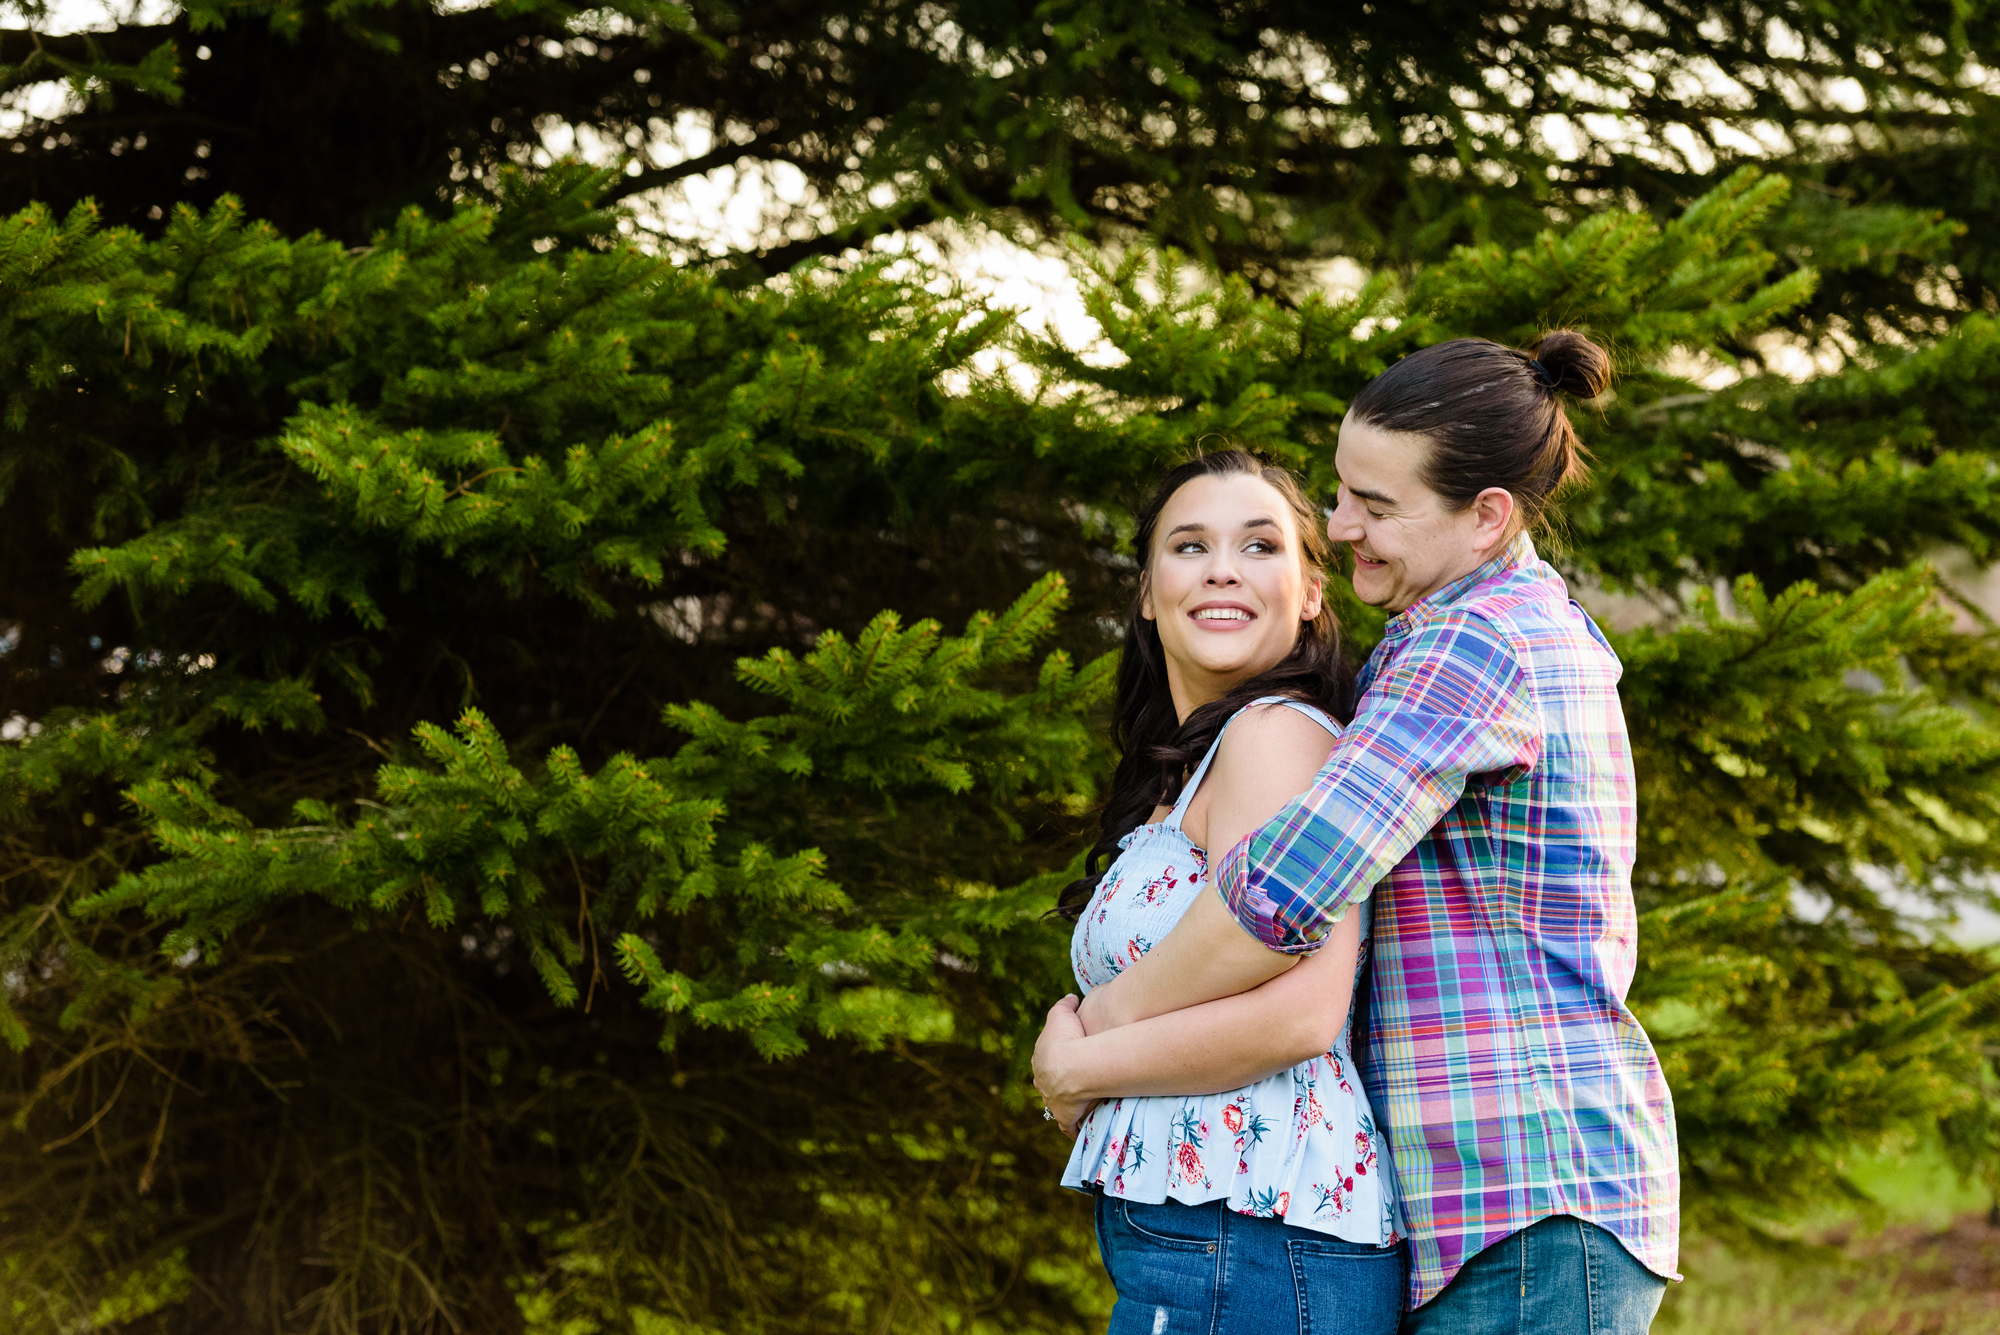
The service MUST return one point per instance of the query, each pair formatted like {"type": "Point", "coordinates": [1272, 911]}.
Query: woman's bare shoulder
{"type": "Point", "coordinates": [1268, 756]}
{"type": "Point", "coordinates": [1277, 735]}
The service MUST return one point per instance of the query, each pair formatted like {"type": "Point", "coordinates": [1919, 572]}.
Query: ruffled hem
{"type": "Point", "coordinates": [1319, 1166]}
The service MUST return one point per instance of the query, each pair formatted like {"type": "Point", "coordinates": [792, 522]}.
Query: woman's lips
{"type": "Point", "coordinates": [1221, 616]}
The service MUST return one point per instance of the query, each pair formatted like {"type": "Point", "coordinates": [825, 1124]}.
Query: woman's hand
{"type": "Point", "coordinates": [1056, 1071]}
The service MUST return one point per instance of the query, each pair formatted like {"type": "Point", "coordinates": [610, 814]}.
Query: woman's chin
{"type": "Point", "coordinates": [1227, 671]}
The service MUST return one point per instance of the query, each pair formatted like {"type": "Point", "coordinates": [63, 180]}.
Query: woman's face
{"type": "Point", "coordinates": [1226, 585]}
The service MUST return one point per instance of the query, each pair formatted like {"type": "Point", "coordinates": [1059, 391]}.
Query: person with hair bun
{"type": "Point", "coordinates": [1481, 801]}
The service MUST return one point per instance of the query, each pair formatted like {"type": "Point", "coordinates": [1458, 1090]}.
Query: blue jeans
{"type": "Point", "coordinates": [1206, 1270]}
{"type": "Point", "coordinates": [1560, 1276]}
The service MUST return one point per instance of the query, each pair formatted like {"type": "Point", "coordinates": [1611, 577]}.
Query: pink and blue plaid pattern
{"type": "Point", "coordinates": [1486, 786]}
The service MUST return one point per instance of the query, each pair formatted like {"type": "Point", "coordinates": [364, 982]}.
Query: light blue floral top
{"type": "Point", "coordinates": [1300, 1145]}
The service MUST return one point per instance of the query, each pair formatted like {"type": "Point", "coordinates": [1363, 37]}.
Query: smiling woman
{"type": "Point", "coordinates": [1171, 706]}
{"type": "Point", "coordinates": [1239, 1175]}
{"type": "Point", "coordinates": [1226, 591]}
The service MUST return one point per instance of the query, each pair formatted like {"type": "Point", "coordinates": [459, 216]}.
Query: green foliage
{"type": "Point", "coordinates": [1801, 757]}
{"type": "Point", "coordinates": [1265, 137]}
{"type": "Point", "coordinates": [480, 849]}
{"type": "Point", "coordinates": [299, 448]}
{"type": "Point", "coordinates": [470, 837]}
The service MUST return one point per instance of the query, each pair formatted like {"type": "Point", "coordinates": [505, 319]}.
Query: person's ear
{"type": "Point", "coordinates": [1492, 519]}
{"type": "Point", "coordinates": [1146, 595]}
{"type": "Point", "coordinates": [1315, 596]}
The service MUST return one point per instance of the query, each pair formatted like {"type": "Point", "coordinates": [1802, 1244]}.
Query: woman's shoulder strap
{"type": "Point", "coordinates": [1313, 712]}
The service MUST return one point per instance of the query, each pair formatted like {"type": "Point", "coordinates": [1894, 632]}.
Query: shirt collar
{"type": "Point", "coordinates": [1519, 551]}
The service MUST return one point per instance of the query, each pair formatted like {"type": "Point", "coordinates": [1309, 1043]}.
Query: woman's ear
{"type": "Point", "coordinates": [1315, 597]}
{"type": "Point", "coordinates": [1146, 596]}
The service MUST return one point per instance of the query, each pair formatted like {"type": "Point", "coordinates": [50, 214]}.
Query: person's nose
{"type": "Point", "coordinates": [1343, 522]}
{"type": "Point", "coordinates": [1222, 571]}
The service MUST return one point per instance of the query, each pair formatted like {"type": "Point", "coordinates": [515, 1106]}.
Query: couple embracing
{"type": "Point", "coordinates": [1435, 857]}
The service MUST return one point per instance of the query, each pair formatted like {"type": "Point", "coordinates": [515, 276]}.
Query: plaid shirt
{"type": "Point", "coordinates": [1486, 785]}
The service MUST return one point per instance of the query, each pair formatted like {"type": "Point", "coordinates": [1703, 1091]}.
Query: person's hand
{"type": "Point", "coordinates": [1055, 1073]}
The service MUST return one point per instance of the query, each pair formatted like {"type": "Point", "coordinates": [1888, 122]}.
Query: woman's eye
{"type": "Point", "coordinates": [1260, 545]}
{"type": "Point", "coordinates": [1189, 546]}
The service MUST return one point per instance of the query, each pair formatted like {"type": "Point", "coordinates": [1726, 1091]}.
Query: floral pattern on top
{"type": "Point", "coordinates": [1301, 1145]}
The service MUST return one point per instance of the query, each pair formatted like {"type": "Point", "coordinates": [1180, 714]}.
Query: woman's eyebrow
{"type": "Point", "coordinates": [1262, 521]}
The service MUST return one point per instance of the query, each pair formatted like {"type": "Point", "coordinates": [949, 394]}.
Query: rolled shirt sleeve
{"type": "Point", "coordinates": [1450, 706]}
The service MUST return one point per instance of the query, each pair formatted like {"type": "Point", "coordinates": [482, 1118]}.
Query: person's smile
{"type": "Point", "coordinates": [1221, 616]}
{"type": "Point", "coordinates": [1362, 558]}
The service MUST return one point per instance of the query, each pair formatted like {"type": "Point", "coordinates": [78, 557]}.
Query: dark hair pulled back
{"type": "Point", "coordinates": [1493, 415]}
{"type": "Point", "coordinates": [1157, 749]}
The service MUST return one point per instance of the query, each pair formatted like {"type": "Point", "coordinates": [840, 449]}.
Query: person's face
{"type": "Point", "coordinates": [1406, 543]}
{"type": "Point", "coordinates": [1226, 585]}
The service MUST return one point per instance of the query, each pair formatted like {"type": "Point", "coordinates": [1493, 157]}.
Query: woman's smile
{"type": "Point", "coordinates": [1224, 585]}
{"type": "Point", "coordinates": [1222, 616]}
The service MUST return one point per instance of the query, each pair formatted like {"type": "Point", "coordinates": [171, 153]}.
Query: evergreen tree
{"type": "Point", "coordinates": [530, 774]}
{"type": "Point", "coordinates": [1259, 135]}
{"type": "Point", "coordinates": [420, 908]}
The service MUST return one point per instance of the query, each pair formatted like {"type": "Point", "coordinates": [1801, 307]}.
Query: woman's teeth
{"type": "Point", "coordinates": [1221, 614]}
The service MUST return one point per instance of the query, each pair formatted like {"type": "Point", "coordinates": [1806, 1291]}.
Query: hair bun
{"type": "Point", "coordinates": [1574, 364]}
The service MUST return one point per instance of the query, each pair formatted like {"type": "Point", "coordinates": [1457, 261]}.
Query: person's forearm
{"type": "Point", "coordinates": [1218, 1046]}
{"type": "Point", "coordinates": [1206, 957]}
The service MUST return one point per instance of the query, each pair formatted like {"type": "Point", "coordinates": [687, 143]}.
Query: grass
{"type": "Point", "coordinates": [1901, 1282]}
{"type": "Point", "coordinates": [1929, 1264]}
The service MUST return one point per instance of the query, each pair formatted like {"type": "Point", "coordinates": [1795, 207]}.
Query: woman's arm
{"type": "Point", "coordinates": [1268, 757]}
{"type": "Point", "coordinates": [1204, 1049]}
{"type": "Point", "coordinates": [1207, 956]}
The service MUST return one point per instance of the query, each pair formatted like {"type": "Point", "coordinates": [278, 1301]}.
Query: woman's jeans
{"type": "Point", "coordinates": [1206, 1270]}
{"type": "Point", "coordinates": [1561, 1276]}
